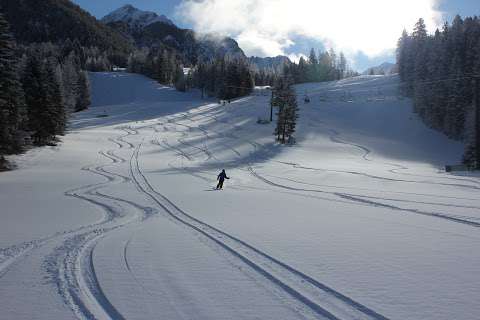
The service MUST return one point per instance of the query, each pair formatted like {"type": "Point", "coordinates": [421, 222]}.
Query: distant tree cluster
{"type": "Point", "coordinates": [324, 66]}
{"type": "Point", "coordinates": [267, 72]}
{"type": "Point", "coordinates": [65, 24]}
{"type": "Point", "coordinates": [266, 77]}
{"type": "Point", "coordinates": [438, 72]}
{"type": "Point", "coordinates": [12, 103]}
{"type": "Point", "coordinates": [56, 21]}
{"type": "Point", "coordinates": [224, 78]}
{"type": "Point", "coordinates": [38, 91]}
{"type": "Point", "coordinates": [285, 99]}
{"type": "Point", "coordinates": [160, 64]}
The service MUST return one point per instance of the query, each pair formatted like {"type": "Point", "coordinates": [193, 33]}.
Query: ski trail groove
{"type": "Point", "coordinates": [70, 266]}
{"type": "Point", "coordinates": [359, 199]}
{"type": "Point", "coordinates": [321, 299]}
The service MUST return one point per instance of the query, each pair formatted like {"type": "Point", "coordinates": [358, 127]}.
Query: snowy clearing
{"type": "Point", "coordinates": [358, 220]}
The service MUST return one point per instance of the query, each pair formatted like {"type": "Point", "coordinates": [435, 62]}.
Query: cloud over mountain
{"type": "Point", "coordinates": [270, 27]}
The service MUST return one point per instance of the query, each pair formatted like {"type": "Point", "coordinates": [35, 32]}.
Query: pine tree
{"type": "Point", "coordinates": [285, 99]}
{"type": "Point", "coordinates": [312, 59]}
{"type": "Point", "coordinates": [439, 71]}
{"type": "Point", "coordinates": [11, 94]}
{"type": "Point", "coordinates": [70, 82]}
{"type": "Point", "coordinates": [35, 97]}
{"type": "Point", "coordinates": [342, 66]}
{"type": "Point", "coordinates": [43, 96]}
{"type": "Point", "coordinates": [54, 99]}
{"type": "Point", "coordinates": [83, 98]}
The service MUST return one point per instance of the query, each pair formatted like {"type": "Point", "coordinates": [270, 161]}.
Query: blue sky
{"type": "Point", "coordinates": [363, 49]}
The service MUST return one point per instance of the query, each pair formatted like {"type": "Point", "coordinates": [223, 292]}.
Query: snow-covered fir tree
{"type": "Point", "coordinates": [284, 98]}
{"type": "Point", "coordinates": [84, 96]}
{"type": "Point", "coordinates": [224, 78]}
{"type": "Point", "coordinates": [11, 93]}
{"type": "Point", "coordinates": [321, 66]}
{"type": "Point", "coordinates": [439, 72]}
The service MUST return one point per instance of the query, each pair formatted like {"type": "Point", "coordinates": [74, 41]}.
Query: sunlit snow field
{"type": "Point", "coordinates": [357, 220]}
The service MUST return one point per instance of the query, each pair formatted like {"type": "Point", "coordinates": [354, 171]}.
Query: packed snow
{"type": "Point", "coordinates": [357, 220]}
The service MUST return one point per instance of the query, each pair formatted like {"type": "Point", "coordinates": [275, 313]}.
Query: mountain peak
{"type": "Point", "coordinates": [128, 7]}
{"type": "Point", "coordinates": [135, 17]}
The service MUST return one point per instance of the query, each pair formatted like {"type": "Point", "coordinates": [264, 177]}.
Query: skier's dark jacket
{"type": "Point", "coordinates": [222, 176]}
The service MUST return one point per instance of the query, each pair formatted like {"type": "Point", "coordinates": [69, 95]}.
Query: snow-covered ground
{"type": "Point", "coordinates": [356, 221]}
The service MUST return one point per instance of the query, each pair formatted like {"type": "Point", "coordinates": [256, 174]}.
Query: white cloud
{"type": "Point", "coordinates": [268, 27]}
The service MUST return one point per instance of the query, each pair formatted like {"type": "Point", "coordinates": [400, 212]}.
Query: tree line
{"type": "Point", "coordinates": [225, 78]}
{"type": "Point", "coordinates": [40, 85]}
{"type": "Point", "coordinates": [438, 71]}
{"type": "Point", "coordinates": [161, 64]}
{"type": "Point", "coordinates": [324, 66]}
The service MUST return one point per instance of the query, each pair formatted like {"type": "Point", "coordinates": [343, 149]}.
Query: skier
{"type": "Point", "coordinates": [221, 177]}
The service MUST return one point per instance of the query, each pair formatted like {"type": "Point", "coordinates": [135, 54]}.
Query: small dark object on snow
{"type": "Point", "coordinates": [221, 178]}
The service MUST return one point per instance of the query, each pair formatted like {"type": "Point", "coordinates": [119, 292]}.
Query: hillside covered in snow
{"type": "Point", "coordinates": [357, 220]}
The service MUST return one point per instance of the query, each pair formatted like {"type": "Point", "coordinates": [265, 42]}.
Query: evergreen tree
{"type": "Point", "coordinates": [83, 97]}
{"type": "Point", "coordinates": [11, 93]}
{"type": "Point", "coordinates": [326, 66]}
{"type": "Point", "coordinates": [342, 66]}
{"type": "Point", "coordinates": [43, 96]}
{"type": "Point", "coordinates": [70, 82]}
{"type": "Point", "coordinates": [35, 98]}
{"type": "Point", "coordinates": [438, 72]}
{"type": "Point", "coordinates": [302, 71]}
{"type": "Point", "coordinates": [54, 99]}
{"type": "Point", "coordinates": [312, 59]}
{"type": "Point", "coordinates": [285, 99]}
{"type": "Point", "coordinates": [224, 78]}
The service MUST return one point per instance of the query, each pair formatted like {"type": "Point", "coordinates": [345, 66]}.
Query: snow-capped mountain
{"type": "Point", "coordinates": [214, 45]}
{"type": "Point", "coordinates": [147, 29]}
{"type": "Point", "coordinates": [135, 18]}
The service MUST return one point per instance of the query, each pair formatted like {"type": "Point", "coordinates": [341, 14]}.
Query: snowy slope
{"type": "Point", "coordinates": [356, 221]}
{"type": "Point", "coordinates": [135, 17]}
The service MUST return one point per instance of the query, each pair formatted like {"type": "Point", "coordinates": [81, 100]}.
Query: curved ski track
{"type": "Point", "coordinates": [319, 298]}
{"type": "Point", "coordinates": [69, 267]}
{"type": "Point", "coordinates": [357, 198]}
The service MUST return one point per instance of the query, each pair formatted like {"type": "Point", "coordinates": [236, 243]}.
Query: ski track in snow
{"type": "Point", "coordinates": [301, 287]}
{"type": "Point", "coordinates": [363, 199]}
{"type": "Point", "coordinates": [317, 297]}
{"type": "Point", "coordinates": [357, 198]}
{"type": "Point", "coordinates": [70, 266]}
{"type": "Point", "coordinates": [321, 299]}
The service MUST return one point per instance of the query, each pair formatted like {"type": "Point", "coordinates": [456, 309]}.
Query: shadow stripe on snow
{"type": "Point", "coordinates": [321, 299]}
